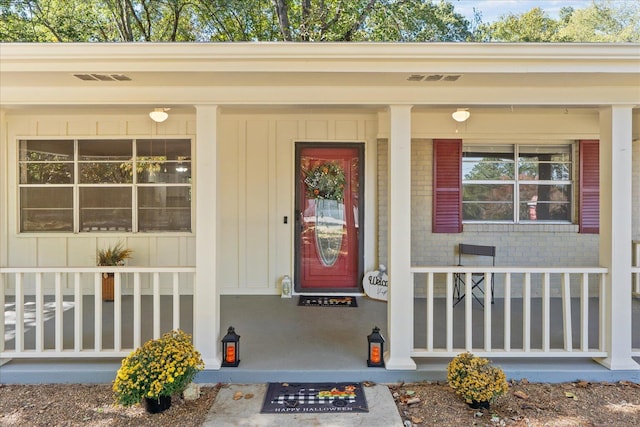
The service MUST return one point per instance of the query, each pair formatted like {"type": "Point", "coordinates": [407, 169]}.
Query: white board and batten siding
{"type": "Point", "coordinates": [257, 190]}
{"type": "Point", "coordinates": [79, 250]}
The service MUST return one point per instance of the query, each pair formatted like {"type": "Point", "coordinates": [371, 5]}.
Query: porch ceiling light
{"type": "Point", "coordinates": [159, 114]}
{"type": "Point", "coordinates": [461, 114]}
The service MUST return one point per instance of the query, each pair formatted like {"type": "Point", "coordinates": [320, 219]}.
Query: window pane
{"type": "Point", "coordinates": [46, 173]}
{"type": "Point", "coordinates": [106, 173]}
{"type": "Point", "coordinates": [164, 160]}
{"type": "Point", "coordinates": [105, 208]}
{"type": "Point", "coordinates": [46, 150]}
{"type": "Point", "coordinates": [545, 163]}
{"type": "Point", "coordinates": [167, 172]}
{"type": "Point", "coordinates": [46, 209]}
{"type": "Point", "coordinates": [170, 149]}
{"type": "Point", "coordinates": [487, 202]}
{"type": "Point", "coordinates": [531, 171]}
{"type": "Point", "coordinates": [545, 202]}
{"type": "Point", "coordinates": [487, 163]}
{"type": "Point", "coordinates": [487, 211]}
{"type": "Point", "coordinates": [558, 153]}
{"type": "Point", "coordinates": [487, 192]}
{"type": "Point", "coordinates": [110, 149]}
{"type": "Point", "coordinates": [164, 208]}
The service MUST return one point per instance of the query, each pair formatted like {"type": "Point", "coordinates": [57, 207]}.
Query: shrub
{"type": "Point", "coordinates": [161, 367]}
{"type": "Point", "coordinates": [474, 379]}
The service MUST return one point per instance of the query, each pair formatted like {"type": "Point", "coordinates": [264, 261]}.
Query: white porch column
{"type": "Point", "coordinates": [400, 305]}
{"type": "Point", "coordinates": [615, 233]}
{"type": "Point", "coordinates": [206, 301]}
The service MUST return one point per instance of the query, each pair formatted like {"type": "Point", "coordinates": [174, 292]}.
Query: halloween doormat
{"type": "Point", "coordinates": [301, 398]}
{"type": "Point", "coordinates": [325, 301]}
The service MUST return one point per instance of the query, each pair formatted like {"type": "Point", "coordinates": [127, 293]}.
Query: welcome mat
{"type": "Point", "coordinates": [303, 398]}
{"type": "Point", "coordinates": [325, 301]}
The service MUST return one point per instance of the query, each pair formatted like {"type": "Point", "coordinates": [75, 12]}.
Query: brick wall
{"type": "Point", "coordinates": [531, 245]}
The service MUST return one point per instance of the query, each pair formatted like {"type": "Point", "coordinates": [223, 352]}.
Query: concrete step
{"type": "Point", "coordinates": [227, 412]}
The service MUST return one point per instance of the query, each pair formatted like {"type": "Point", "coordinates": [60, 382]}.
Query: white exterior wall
{"type": "Point", "coordinates": [256, 155]}
{"type": "Point", "coordinates": [256, 192]}
{"type": "Point", "coordinates": [78, 250]}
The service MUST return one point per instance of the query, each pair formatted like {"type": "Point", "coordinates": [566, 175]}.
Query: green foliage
{"type": "Point", "coordinates": [603, 21]}
{"type": "Point", "coordinates": [113, 255]}
{"type": "Point", "coordinates": [606, 21]}
{"type": "Point", "coordinates": [325, 181]}
{"type": "Point", "coordinates": [304, 20]}
{"type": "Point", "coordinates": [161, 367]}
{"type": "Point", "coordinates": [474, 379]}
{"type": "Point", "coordinates": [229, 20]}
{"type": "Point", "coordinates": [531, 26]}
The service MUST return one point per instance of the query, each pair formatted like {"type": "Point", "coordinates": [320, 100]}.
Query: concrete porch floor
{"type": "Point", "coordinates": [283, 342]}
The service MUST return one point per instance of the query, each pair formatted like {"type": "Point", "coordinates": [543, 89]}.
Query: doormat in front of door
{"type": "Point", "coordinates": [301, 398]}
{"type": "Point", "coordinates": [326, 301]}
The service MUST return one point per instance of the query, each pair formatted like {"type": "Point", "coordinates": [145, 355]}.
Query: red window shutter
{"type": "Point", "coordinates": [447, 186]}
{"type": "Point", "coordinates": [589, 186]}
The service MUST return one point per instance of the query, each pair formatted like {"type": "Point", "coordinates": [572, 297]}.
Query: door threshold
{"type": "Point", "coordinates": [330, 294]}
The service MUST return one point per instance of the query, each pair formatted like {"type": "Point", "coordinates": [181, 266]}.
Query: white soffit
{"type": "Point", "coordinates": [135, 70]}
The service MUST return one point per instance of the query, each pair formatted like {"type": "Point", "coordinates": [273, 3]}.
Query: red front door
{"type": "Point", "coordinates": [329, 216]}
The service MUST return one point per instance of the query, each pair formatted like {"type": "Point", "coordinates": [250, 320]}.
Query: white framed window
{"type": "Point", "coordinates": [517, 183]}
{"type": "Point", "coordinates": [89, 185]}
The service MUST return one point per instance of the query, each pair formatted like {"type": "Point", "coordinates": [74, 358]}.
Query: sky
{"type": "Point", "coordinates": [493, 9]}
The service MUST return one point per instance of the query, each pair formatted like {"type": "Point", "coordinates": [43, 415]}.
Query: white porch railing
{"type": "Point", "coordinates": [635, 268]}
{"type": "Point", "coordinates": [40, 296]}
{"type": "Point", "coordinates": [547, 301]}
{"type": "Point", "coordinates": [635, 291]}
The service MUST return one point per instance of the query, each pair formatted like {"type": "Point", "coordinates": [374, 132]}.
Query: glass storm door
{"type": "Point", "coordinates": [329, 215]}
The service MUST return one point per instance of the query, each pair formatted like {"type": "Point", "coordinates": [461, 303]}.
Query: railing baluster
{"type": "Point", "coordinates": [546, 313]}
{"type": "Point", "coordinates": [603, 312]}
{"type": "Point", "coordinates": [39, 320]}
{"type": "Point", "coordinates": [156, 305]}
{"type": "Point", "coordinates": [117, 312]}
{"type": "Point", "coordinates": [59, 310]}
{"type": "Point", "coordinates": [78, 345]}
{"type": "Point", "coordinates": [176, 301]}
{"type": "Point", "coordinates": [97, 306]}
{"type": "Point", "coordinates": [487, 311]}
{"type": "Point", "coordinates": [584, 312]}
{"type": "Point", "coordinates": [137, 310]}
{"type": "Point", "coordinates": [507, 312]}
{"type": "Point", "coordinates": [526, 313]}
{"type": "Point", "coordinates": [636, 263]}
{"type": "Point", "coordinates": [3, 290]}
{"type": "Point", "coordinates": [449, 311]}
{"type": "Point", "coordinates": [566, 312]}
{"type": "Point", "coordinates": [468, 312]}
{"type": "Point", "coordinates": [429, 316]}
{"type": "Point", "coordinates": [19, 340]}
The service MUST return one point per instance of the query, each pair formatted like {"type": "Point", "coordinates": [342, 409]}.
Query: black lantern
{"type": "Point", "coordinates": [231, 348]}
{"type": "Point", "coordinates": [376, 349]}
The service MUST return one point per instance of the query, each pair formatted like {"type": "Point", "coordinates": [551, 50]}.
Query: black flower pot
{"type": "Point", "coordinates": [479, 405]}
{"type": "Point", "coordinates": [157, 405]}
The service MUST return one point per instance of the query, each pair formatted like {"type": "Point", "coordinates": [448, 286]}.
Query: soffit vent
{"type": "Point", "coordinates": [433, 77]}
{"type": "Point", "coordinates": [103, 77]}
